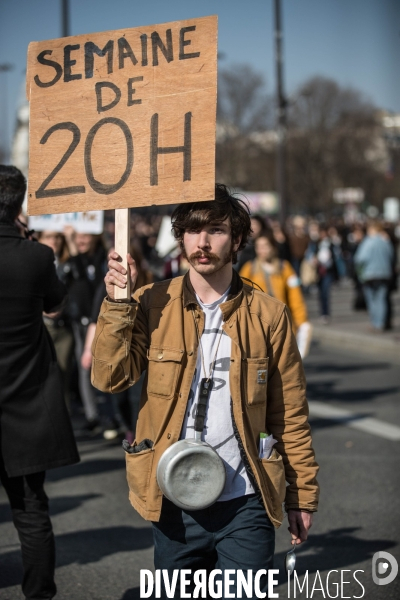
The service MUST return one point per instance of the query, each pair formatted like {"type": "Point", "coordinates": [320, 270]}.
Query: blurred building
{"type": "Point", "coordinates": [391, 128]}
{"type": "Point", "coordinates": [20, 143]}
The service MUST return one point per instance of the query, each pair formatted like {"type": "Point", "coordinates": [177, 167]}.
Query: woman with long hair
{"type": "Point", "coordinates": [87, 263]}
{"type": "Point", "coordinates": [277, 278]}
{"type": "Point", "coordinates": [125, 405]}
{"type": "Point", "coordinates": [59, 324]}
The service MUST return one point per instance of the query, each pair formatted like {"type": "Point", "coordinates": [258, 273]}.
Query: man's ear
{"type": "Point", "coordinates": [236, 243]}
{"type": "Point", "coordinates": [182, 247]}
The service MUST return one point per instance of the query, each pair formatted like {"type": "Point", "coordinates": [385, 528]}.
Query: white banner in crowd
{"type": "Point", "coordinates": [91, 221]}
{"type": "Point", "coordinates": [166, 242]}
{"type": "Point", "coordinates": [264, 203]}
{"type": "Point", "coordinates": [391, 209]}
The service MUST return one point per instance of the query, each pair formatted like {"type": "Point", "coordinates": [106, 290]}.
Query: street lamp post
{"type": "Point", "coordinates": [64, 18]}
{"type": "Point", "coordinates": [4, 68]}
{"type": "Point", "coordinates": [281, 120]}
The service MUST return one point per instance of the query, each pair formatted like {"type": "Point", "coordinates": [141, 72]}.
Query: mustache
{"type": "Point", "coordinates": [203, 254]}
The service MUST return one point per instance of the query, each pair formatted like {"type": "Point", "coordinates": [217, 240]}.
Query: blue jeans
{"type": "Point", "coordinates": [324, 287]}
{"type": "Point", "coordinates": [235, 534]}
{"type": "Point", "coordinates": [375, 292]}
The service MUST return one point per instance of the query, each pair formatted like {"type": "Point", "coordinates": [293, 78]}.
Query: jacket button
{"type": "Point", "coordinates": [190, 353]}
{"type": "Point", "coordinates": [169, 436]}
{"type": "Point", "coordinates": [160, 356]}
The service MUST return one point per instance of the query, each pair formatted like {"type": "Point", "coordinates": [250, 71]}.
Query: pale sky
{"type": "Point", "coordinates": [355, 42]}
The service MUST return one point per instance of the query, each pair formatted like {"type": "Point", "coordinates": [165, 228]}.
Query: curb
{"type": "Point", "coordinates": [362, 343]}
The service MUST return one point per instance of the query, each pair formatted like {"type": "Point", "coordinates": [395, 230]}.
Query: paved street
{"type": "Point", "coordinates": [350, 329]}
{"type": "Point", "coordinates": [102, 543]}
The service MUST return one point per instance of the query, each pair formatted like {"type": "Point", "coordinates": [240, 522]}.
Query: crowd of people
{"type": "Point", "coordinates": [284, 262]}
{"type": "Point", "coordinates": [55, 288]}
{"type": "Point", "coordinates": [81, 263]}
{"type": "Point", "coordinates": [320, 254]}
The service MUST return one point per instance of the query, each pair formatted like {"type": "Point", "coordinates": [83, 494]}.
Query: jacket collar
{"type": "Point", "coordinates": [235, 298]}
{"type": "Point", "coordinates": [9, 230]}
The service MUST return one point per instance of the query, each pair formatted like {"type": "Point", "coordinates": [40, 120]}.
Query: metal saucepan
{"type": "Point", "coordinates": [191, 474]}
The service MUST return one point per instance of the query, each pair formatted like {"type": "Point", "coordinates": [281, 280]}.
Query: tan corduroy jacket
{"type": "Point", "coordinates": [157, 332]}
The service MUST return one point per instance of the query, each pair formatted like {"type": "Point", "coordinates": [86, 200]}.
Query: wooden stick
{"type": "Point", "coordinates": [122, 243]}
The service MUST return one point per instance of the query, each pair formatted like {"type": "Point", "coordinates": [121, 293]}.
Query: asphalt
{"type": "Point", "coordinates": [349, 329]}
{"type": "Point", "coordinates": [102, 543]}
{"type": "Point", "coordinates": [359, 512]}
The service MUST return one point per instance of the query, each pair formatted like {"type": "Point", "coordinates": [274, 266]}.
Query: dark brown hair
{"type": "Point", "coordinates": [12, 192]}
{"type": "Point", "coordinates": [193, 216]}
{"type": "Point", "coordinates": [64, 252]}
{"type": "Point", "coordinates": [144, 276]}
{"type": "Point", "coordinates": [268, 234]}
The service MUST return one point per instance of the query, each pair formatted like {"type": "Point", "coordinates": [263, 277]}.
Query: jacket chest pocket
{"type": "Point", "coordinates": [163, 371]}
{"type": "Point", "coordinates": [255, 377]}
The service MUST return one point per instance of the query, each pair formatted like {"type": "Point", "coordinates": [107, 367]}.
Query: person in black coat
{"type": "Point", "coordinates": [35, 429]}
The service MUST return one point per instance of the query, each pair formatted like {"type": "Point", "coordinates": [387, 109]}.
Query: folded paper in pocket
{"type": "Point", "coordinates": [266, 444]}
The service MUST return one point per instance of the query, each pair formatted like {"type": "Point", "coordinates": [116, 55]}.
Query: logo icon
{"type": "Point", "coordinates": [262, 376]}
{"type": "Point", "coordinates": [381, 561]}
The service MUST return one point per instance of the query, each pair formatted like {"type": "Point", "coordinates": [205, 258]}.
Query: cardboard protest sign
{"type": "Point", "coordinates": [123, 118]}
{"type": "Point", "coordinates": [83, 222]}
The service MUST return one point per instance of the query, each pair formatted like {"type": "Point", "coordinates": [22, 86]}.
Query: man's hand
{"type": "Point", "coordinates": [117, 273]}
{"type": "Point", "coordinates": [69, 234]}
{"type": "Point", "coordinates": [300, 522]}
{"type": "Point", "coordinates": [52, 315]}
{"type": "Point", "coordinates": [86, 359]}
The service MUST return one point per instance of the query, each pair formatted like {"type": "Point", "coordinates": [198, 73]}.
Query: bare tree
{"type": "Point", "coordinates": [334, 141]}
{"type": "Point", "coordinates": [244, 109]}
{"type": "Point", "coordinates": [242, 100]}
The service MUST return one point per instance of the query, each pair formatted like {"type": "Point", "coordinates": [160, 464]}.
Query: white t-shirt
{"type": "Point", "coordinates": [218, 427]}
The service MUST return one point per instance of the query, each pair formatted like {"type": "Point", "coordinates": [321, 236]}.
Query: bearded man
{"type": "Point", "coordinates": [210, 326]}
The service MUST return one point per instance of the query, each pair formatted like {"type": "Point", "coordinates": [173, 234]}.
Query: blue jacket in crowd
{"type": "Point", "coordinates": [373, 258]}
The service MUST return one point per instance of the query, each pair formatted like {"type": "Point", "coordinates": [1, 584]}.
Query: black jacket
{"type": "Point", "coordinates": [35, 428]}
{"type": "Point", "coordinates": [86, 274]}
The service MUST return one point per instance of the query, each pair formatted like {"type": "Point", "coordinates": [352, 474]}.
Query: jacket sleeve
{"type": "Point", "coordinates": [55, 290]}
{"type": "Point", "coordinates": [287, 417]}
{"type": "Point", "coordinates": [362, 253]}
{"type": "Point", "coordinates": [295, 300]}
{"type": "Point", "coordinates": [120, 346]}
